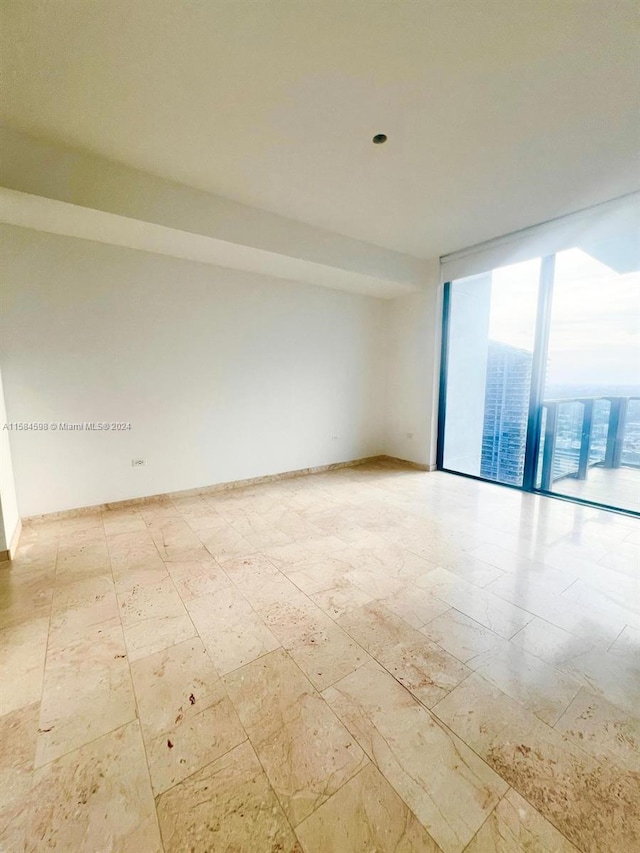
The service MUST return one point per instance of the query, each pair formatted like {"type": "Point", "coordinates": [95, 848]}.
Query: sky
{"type": "Point", "coordinates": [595, 326]}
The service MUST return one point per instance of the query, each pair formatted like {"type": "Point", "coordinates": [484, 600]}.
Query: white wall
{"type": "Point", "coordinates": [9, 516]}
{"type": "Point", "coordinates": [412, 369]}
{"type": "Point", "coordinates": [223, 375]}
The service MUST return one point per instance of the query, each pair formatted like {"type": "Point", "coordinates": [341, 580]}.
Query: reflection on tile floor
{"type": "Point", "coordinates": [371, 659]}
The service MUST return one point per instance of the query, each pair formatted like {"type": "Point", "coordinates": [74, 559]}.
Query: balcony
{"type": "Point", "coordinates": [590, 449]}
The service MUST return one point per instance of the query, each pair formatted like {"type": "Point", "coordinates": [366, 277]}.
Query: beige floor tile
{"type": "Point", "coordinates": [386, 560]}
{"type": "Point", "coordinates": [424, 668]}
{"type": "Point", "coordinates": [320, 574]}
{"type": "Point", "coordinates": [627, 643]}
{"type": "Point", "coordinates": [603, 730]}
{"type": "Point", "coordinates": [266, 705]}
{"type": "Point", "coordinates": [191, 506]}
{"type": "Point", "coordinates": [186, 716]}
{"type": "Point", "coordinates": [77, 562]}
{"type": "Point", "coordinates": [226, 806]}
{"type": "Point", "coordinates": [131, 550]}
{"type": "Point", "coordinates": [272, 591]}
{"type": "Point", "coordinates": [430, 572]}
{"type": "Point", "coordinates": [376, 628]}
{"type": "Point", "coordinates": [83, 520]}
{"type": "Point", "coordinates": [594, 805]}
{"type": "Point", "coordinates": [550, 643]}
{"type": "Point", "coordinates": [87, 692]}
{"type": "Point", "coordinates": [196, 578]}
{"type": "Point", "coordinates": [148, 601]}
{"type": "Point", "coordinates": [157, 633]}
{"type": "Point", "coordinates": [203, 518]}
{"type": "Point", "coordinates": [590, 623]}
{"type": "Point", "coordinates": [175, 540]}
{"type": "Point", "coordinates": [23, 648]}
{"type": "Point", "coordinates": [96, 798]}
{"type": "Point", "coordinates": [315, 543]}
{"type": "Point", "coordinates": [500, 616]}
{"type": "Point", "coordinates": [366, 814]}
{"type": "Point", "coordinates": [79, 605]}
{"type": "Point", "coordinates": [327, 655]}
{"type": "Point", "coordinates": [415, 606]}
{"type": "Point", "coordinates": [406, 741]}
{"type": "Point", "coordinates": [36, 536]}
{"type": "Point", "coordinates": [268, 537]}
{"type": "Point", "coordinates": [540, 687]}
{"type": "Point", "coordinates": [306, 752]}
{"type": "Point", "coordinates": [158, 510]}
{"type": "Point", "coordinates": [148, 572]}
{"type": "Point", "coordinates": [261, 583]}
{"type": "Point", "coordinates": [338, 600]}
{"type": "Point", "coordinates": [375, 582]}
{"type": "Point", "coordinates": [292, 622]}
{"type": "Point", "coordinates": [556, 580]}
{"type": "Point", "coordinates": [614, 592]}
{"type": "Point", "coordinates": [18, 731]}
{"type": "Point", "coordinates": [153, 617]}
{"type": "Point", "coordinates": [473, 570]}
{"type": "Point", "coordinates": [516, 827]}
{"type": "Point", "coordinates": [194, 742]}
{"type": "Point", "coordinates": [622, 558]}
{"type": "Point", "coordinates": [122, 521]}
{"type": "Point", "coordinates": [233, 633]}
{"type": "Point", "coordinates": [26, 591]}
{"type": "Point", "coordinates": [225, 543]}
{"type": "Point", "coordinates": [613, 676]}
{"type": "Point", "coordinates": [173, 684]}
{"type": "Point", "coordinates": [293, 557]}
{"type": "Point", "coordinates": [463, 637]}
{"type": "Point", "coordinates": [320, 648]}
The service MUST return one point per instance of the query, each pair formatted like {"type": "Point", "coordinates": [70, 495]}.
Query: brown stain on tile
{"type": "Point", "coordinates": [598, 809]}
{"type": "Point", "coordinates": [617, 728]}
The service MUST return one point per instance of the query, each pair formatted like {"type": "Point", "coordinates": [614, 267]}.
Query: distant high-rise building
{"type": "Point", "coordinates": [506, 407]}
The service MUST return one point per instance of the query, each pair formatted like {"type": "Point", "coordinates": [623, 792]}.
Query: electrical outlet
{"type": "Point", "coordinates": [137, 462]}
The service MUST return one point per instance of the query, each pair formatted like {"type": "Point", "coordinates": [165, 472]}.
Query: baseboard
{"type": "Point", "coordinates": [10, 553]}
{"type": "Point", "coordinates": [419, 466]}
{"type": "Point", "coordinates": [217, 487]}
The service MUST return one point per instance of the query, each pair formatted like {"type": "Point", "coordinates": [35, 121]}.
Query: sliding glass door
{"type": "Point", "coordinates": [492, 319]}
{"type": "Point", "coordinates": [541, 375]}
{"type": "Point", "coordinates": [590, 438]}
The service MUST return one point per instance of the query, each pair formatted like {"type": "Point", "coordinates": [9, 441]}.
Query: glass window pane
{"type": "Point", "coordinates": [593, 375]}
{"type": "Point", "coordinates": [491, 335]}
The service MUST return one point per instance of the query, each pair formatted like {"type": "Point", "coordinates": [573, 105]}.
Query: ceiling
{"type": "Point", "coordinates": [499, 113]}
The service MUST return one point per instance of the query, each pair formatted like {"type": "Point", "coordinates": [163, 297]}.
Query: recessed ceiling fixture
{"type": "Point", "coordinates": [379, 138]}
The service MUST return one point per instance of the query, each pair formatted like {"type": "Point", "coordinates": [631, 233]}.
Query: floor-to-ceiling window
{"type": "Point", "coordinates": [541, 372]}
{"type": "Point", "coordinates": [492, 318]}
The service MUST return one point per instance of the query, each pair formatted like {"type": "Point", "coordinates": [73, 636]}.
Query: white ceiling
{"type": "Point", "coordinates": [500, 113]}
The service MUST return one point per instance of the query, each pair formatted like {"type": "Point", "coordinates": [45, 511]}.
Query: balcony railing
{"type": "Point", "coordinates": [579, 433]}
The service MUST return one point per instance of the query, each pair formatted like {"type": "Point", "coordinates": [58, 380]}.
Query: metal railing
{"type": "Point", "coordinates": [579, 433]}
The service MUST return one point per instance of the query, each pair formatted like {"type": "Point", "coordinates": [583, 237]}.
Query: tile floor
{"type": "Point", "coordinates": [372, 659]}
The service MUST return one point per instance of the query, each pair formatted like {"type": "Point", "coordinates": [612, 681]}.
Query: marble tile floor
{"type": "Point", "coordinates": [370, 659]}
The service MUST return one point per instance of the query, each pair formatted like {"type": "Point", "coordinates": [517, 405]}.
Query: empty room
{"type": "Point", "coordinates": [320, 426]}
